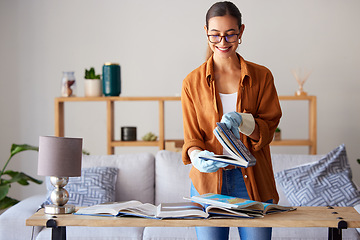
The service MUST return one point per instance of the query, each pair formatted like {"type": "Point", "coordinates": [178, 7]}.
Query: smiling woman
{"type": "Point", "coordinates": [242, 95]}
{"type": "Point", "coordinates": [231, 35]}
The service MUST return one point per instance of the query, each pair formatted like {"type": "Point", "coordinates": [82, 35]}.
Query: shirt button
{"type": "Point", "coordinates": [245, 176]}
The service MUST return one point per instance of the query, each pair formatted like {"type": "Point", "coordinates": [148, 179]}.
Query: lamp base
{"type": "Point", "coordinates": [54, 209]}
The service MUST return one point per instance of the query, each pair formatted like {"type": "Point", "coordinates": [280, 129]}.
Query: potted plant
{"type": "Point", "coordinates": [92, 83]}
{"type": "Point", "coordinates": [277, 135]}
{"type": "Point", "coordinates": [7, 177]}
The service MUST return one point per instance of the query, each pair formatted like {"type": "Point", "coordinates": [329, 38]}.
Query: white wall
{"type": "Point", "coordinates": [157, 43]}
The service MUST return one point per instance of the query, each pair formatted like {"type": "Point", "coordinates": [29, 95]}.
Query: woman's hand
{"type": "Point", "coordinates": [239, 122]}
{"type": "Point", "coordinates": [205, 166]}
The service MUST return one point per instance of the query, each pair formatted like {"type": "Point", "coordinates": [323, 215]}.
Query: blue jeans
{"type": "Point", "coordinates": [233, 185]}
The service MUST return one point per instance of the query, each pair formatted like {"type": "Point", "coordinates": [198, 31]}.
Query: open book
{"type": "Point", "coordinates": [250, 207]}
{"type": "Point", "coordinates": [239, 154]}
{"type": "Point", "coordinates": [162, 211]}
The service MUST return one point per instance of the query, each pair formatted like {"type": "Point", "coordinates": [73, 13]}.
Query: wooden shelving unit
{"type": "Point", "coordinates": [112, 143]}
{"type": "Point", "coordinates": [311, 142]}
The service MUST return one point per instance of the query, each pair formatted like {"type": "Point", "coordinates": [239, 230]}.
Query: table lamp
{"type": "Point", "coordinates": [59, 158]}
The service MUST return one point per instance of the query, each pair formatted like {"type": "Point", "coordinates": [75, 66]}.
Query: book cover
{"type": "Point", "coordinates": [239, 154]}
{"type": "Point", "coordinates": [240, 204]}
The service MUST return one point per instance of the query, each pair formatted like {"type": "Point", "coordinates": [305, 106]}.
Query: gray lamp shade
{"type": "Point", "coordinates": [59, 156]}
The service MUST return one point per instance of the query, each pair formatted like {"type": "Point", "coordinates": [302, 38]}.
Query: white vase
{"type": "Point", "coordinates": [93, 88]}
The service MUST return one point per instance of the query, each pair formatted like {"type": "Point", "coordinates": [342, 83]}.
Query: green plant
{"type": "Point", "coordinates": [277, 130]}
{"type": "Point", "coordinates": [149, 137]}
{"type": "Point", "coordinates": [13, 176]}
{"type": "Point", "coordinates": [90, 74]}
{"type": "Point", "coordinates": [358, 160]}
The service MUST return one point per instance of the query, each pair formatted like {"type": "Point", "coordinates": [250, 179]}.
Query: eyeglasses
{"type": "Point", "coordinates": [228, 38]}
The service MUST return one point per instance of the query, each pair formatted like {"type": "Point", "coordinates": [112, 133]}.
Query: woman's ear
{"type": "Point", "coordinates": [205, 29]}
{"type": "Point", "coordinates": [242, 28]}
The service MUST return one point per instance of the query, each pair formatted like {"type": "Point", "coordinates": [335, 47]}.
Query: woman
{"type": "Point", "coordinates": [241, 94]}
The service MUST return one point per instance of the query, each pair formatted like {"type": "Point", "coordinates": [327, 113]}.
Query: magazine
{"type": "Point", "coordinates": [244, 205]}
{"type": "Point", "coordinates": [239, 154]}
{"type": "Point", "coordinates": [162, 211]}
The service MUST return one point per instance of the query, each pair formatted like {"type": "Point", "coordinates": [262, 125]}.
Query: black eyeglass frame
{"type": "Point", "coordinates": [221, 37]}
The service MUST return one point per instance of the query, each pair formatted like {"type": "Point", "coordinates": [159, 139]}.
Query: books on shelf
{"type": "Point", "coordinates": [239, 154]}
{"type": "Point", "coordinates": [250, 207]}
{"type": "Point", "coordinates": [162, 211]}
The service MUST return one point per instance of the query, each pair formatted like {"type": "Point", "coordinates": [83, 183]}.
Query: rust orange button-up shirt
{"type": "Point", "coordinates": [202, 108]}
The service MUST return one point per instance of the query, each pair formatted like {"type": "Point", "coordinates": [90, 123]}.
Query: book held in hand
{"type": "Point", "coordinates": [239, 154]}
{"type": "Point", "coordinates": [180, 210]}
{"type": "Point", "coordinates": [250, 207]}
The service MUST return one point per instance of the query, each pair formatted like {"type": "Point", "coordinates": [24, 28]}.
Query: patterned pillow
{"type": "Point", "coordinates": [323, 183]}
{"type": "Point", "coordinates": [96, 185]}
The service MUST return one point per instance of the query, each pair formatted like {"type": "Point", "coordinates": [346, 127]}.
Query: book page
{"type": "Point", "coordinates": [227, 212]}
{"type": "Point", "coordinates": [108, 208]}
{"type": "Point", "coordinates": [145, 209]}
{"type": "Point", "coordinates": [181, 210]}
{"type": "Point", "coordinates": [228, 201]}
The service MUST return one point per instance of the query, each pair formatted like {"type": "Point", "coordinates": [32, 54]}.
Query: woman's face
{"type": "Point", "coordinates": [223, 35]}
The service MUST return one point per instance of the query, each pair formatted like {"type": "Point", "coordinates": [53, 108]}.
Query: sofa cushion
{"type": "Point", "coordinates": [136, 173]}
{"type": "Point", "coordinates": [281, 162]}
{"type": "Point", "coordinates": [92, 233]}
{"type": "Point", "coordinates": [95, 185]}
{"type": "Point", "coordinates": [310, 233]}
{"type": "Point", "coordinates": [172, 181]}
{"type": "Point", "coordinates": [326, 182]}
{"type": "Point", "coordinates": [177, 233]}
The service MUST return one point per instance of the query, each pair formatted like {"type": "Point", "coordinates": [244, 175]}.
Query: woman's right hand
{"type": "Point", "coordinates": [205, 166]}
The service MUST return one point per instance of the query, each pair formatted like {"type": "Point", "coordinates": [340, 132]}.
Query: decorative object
{"type": "Point", "coordinates": [68, 85]}
{"type": "Point", "coordinates": [60, 158]}
{"type": "Point", "coordinates": [95, 186]}
{"type": "Point", "coordinates": [14, 176]}
{"type": "Point", "coordinates": [111, 79]}
{"type": "Point", "coordinates": [277, 135]}
{"type": "Point", "coordinates": [93, 85]}
{"type": "Point", "coordinates": [326, 182]}
{"type": "Point", "coordinates": [128, 134]}
{"type": "Point", "coordinates": [149, 137]}
{"type": "Point", "coordinates": [300, 80]}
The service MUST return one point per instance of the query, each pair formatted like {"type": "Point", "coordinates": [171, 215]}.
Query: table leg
{"type": "Point", "coordinates": [335, 233]}
{"type": "Point", "coordinates": [57, 233]}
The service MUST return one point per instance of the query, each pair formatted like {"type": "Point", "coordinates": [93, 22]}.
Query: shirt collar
{"type": "Point", "coordinates": [245, 74]}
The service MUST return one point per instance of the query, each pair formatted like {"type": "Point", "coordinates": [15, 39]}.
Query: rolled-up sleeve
{"type": "Point", "coordinates": [192, 134]}
{"type": "Point", "coordinates": [268, 113]}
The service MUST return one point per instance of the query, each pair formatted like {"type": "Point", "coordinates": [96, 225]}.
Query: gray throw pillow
{"type": "Point", "coordinates": [324, 183]}
{"type": "Point", "coordinates": [96, 185]}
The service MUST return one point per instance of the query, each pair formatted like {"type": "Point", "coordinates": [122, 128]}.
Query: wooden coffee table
{"type": "Point", "coordinates": [336, 219]}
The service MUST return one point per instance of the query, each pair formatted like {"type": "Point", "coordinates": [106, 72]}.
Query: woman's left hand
{"type": "Point", "coordinates": [239, 122]}
{"type": "Point", "coordinates": [232, 120]}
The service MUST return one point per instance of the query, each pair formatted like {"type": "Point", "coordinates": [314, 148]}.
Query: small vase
{"type": "Point", "coordinates": [277, 136]}
{"type": "Point", "coordinates": [93, 88]}
{"type": "Point", "coordinates": [68, 85]}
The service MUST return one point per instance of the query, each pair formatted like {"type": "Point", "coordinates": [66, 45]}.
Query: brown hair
{"type": "Point", "coordinates": [220, 9]}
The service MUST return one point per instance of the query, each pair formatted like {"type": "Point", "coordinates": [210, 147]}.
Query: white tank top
{"type": "Point", "coordinates": [228, 102]}
{"type": "Point", "coordinates": [229, 105]}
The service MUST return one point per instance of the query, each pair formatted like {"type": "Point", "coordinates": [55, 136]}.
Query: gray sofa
{"type": "Point", "coordinates": [154, 179]}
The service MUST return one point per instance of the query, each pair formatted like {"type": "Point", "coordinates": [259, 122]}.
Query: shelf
{"type": "Point", "coordinates": [292, 142]}
{"type": "Point", "coordinates": [135, 143]}
{"type": "Point", "coordinates": [114, 99]}
{"type": "Point", "coordinates": [175, 144]}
